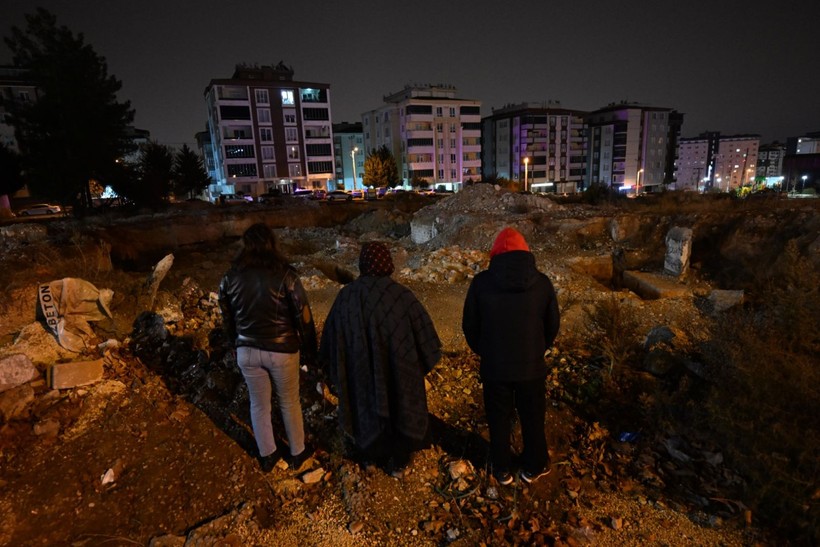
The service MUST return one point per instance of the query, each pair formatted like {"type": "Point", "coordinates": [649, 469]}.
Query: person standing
{"type": "Point", "coordinates": [510, 319]}
{"type": "Point", "coordinates": [266, 312]}
{"type": "Point", "coordinates": [377, 344]}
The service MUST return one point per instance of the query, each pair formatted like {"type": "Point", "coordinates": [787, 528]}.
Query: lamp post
{"type": "Point", "coordinates": [803, 187]}
{"type": "Point", "coordinates": [353, 157]}
{"type": "Point", "coordinates": [526, 166]}
{"type": "Point", "coordinates": [638, 182]}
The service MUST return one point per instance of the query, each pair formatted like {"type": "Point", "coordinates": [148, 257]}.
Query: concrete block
{"type": "Point", "coordinates": [77, 373]}
{"type": "Point", "coordinates": [651, 286]}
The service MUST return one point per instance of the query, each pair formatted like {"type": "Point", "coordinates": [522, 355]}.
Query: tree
{"type": "Point", "coordinates": [380, 169]}
{"type": "Point", "coordinates": [155, 171]}
{"type": "Point", "coordinates": [190, 177]}
{"type": "Point", "coordinates": [76, 129]}
{"type": "Point", "coordinates": [11, 178]}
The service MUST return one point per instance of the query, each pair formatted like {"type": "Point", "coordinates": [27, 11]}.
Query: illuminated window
{"type": "Point", "coordinates": [295, 170]}
{"type": "Point", "coordinates": [293, 153]}
{"type": "Point", "coordinates": [287, 97]}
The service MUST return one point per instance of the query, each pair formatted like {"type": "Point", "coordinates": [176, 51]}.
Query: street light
{"type": "Point", "coordinates": [803, 187]}
{"type": "Point", "coordinates": [638, 182]}
{"type": "Point", "coordinates": [353, 156]}
{"type": "Point", "coordinates": [526, 165]}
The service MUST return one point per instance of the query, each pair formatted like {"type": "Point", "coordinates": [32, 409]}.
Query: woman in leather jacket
{"type": "Point", "coordinates": [266, 312]}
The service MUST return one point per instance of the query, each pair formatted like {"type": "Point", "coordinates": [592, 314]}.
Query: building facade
{"type": "Point", "coordinates": [712, 161]}
{"type": "Point", "coordinates": [540, 145]}
{"type": "Point", "coordinates": [801, 164]}
{"type": "Point", "coordinates": [348, 147]}
{"type": "Point", "coordinates": [268, 131]}
{"type": "Point", "coordinates": [632, 147]}
{"type": "Point", "coordinates": [770, 162]}
{"type": "Point", "coordinates": [434, 135]}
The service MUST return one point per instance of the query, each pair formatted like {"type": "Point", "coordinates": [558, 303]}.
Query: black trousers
{"type": "Point", "coordinates": [529, 399]}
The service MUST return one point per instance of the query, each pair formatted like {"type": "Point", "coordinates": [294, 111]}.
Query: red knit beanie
{"type": "Point", "coordinates": [509, 239]}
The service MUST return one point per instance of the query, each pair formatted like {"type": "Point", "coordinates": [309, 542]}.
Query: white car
{"type": "Point", "coordinates": [40, 209]}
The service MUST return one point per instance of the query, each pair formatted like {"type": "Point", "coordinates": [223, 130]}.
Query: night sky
{"type": "Point", "coordinates": [729, 66]}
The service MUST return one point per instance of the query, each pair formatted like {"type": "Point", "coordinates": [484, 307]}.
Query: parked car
{"type": "Point", "coordinates": [320, 193]}
{"type": "Point", "coordinates": [269, 197]}
{"type": "Point", "coordinates": [40, 209]}
{"type": "Point", "coordinates": [357, 194]}
{"type": "Point", "coordinates": [339, 195]}
{"type": "Point", "coordinates": [303, 193]}
{"type": "Point", "coordinates": [233, 199]}
{"type": "Point", "coordinates": [381, 191]}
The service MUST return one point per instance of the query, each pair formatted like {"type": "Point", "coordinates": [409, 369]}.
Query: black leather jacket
{"type": "Point", "coordinates": [268, 310]}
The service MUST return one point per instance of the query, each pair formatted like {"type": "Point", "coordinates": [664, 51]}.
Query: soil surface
{"type": "Point", "coordinates": [160, 451]}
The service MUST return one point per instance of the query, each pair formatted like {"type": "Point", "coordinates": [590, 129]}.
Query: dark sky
{"type": "Point", "coordinates": [729, 66]}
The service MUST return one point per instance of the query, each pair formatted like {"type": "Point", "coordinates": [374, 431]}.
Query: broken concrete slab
{"type": "Point", "coordinates": [16, 369]}
{"type": "Point", "coordinates": [678, 251]}
{"type": "Point", "coordinates": [76, 373]}
{"type": "Point", "coordinates": [651, 286]}
{"type": "Point", "coordinates": [13, 403]}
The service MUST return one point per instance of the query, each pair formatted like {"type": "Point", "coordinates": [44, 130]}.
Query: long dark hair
{"type": "Point", "coordinates": [260, 250]}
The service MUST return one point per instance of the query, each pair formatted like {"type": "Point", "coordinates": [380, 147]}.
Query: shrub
{"type": "Point", "coordinates": [611, 330]}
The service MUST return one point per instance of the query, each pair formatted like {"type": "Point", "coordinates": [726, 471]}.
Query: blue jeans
{"type": "Point", "coordinates": [259, 367]}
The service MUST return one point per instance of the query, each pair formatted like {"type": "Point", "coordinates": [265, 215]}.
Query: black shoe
{"type": "Point", "coordinates": [503, 477]}
{"type": "Point", "coordinates": [266, 463]}
{"type": "Point", "coordinates": [298, 460]}
{"type": "Point", "coordinates": [528, 477]}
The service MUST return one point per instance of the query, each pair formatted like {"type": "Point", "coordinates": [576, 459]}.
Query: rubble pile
{"type": "Point", "coordinates": [166, 433]}
{"type": "Point", "coordinates": [446, 265]}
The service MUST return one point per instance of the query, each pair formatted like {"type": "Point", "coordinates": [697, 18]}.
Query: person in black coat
{"type": "Point", "coordinates": [510, 320]}
{"type": "Point", "coordinates": [377, 344]}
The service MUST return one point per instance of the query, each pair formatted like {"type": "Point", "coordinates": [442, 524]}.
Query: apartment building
{"type": "Point", "coordinates": [540, 145]}
{"type": "Point", "coordinates": [714, 161]}
{"type": "Point", "coordinates": [801, 164]}
{"type": "Point", "coordinates": [349, 152]}
{"type": "Point", "coordinates": [269, 131]}
{"type": "Point", "coordinates": [770, 160]}
{"type": "Point", "coordinates": [632, 147]}
{"type": "Point", "coordinates": [434, 135]}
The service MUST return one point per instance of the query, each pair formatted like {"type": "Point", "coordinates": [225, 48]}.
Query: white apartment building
{"type": "Point", "coordinates": [268, 131]}
{"type": "Point", "coordinates": [14, 85]}
{"type": "Point", "coordinates": [713, 161]}
{"type": "Point", "coordinates": [632, 147]}
{"type": "Point", "coordinates": [349, 151]}
{"type": "Point", "coordinates": [434, 136]}
{"type": "Point", "coordinates": [540, 145]}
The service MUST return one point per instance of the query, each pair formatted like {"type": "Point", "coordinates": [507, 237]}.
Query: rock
{"type": "Point", "coordinates": [47, 428]}
{"type": "Point", "coordinates": [312, 477]}
{"type": "Point", "coordinates": [721, 300]}
{"type": "Point", "coordinates": [16, 369]}
{"type": "Point", "coordinates": [356, 526]}
{"type": "Point", "coordinates": [13, 402]}
{"type": "Point", "coordinates": [460, 468]}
